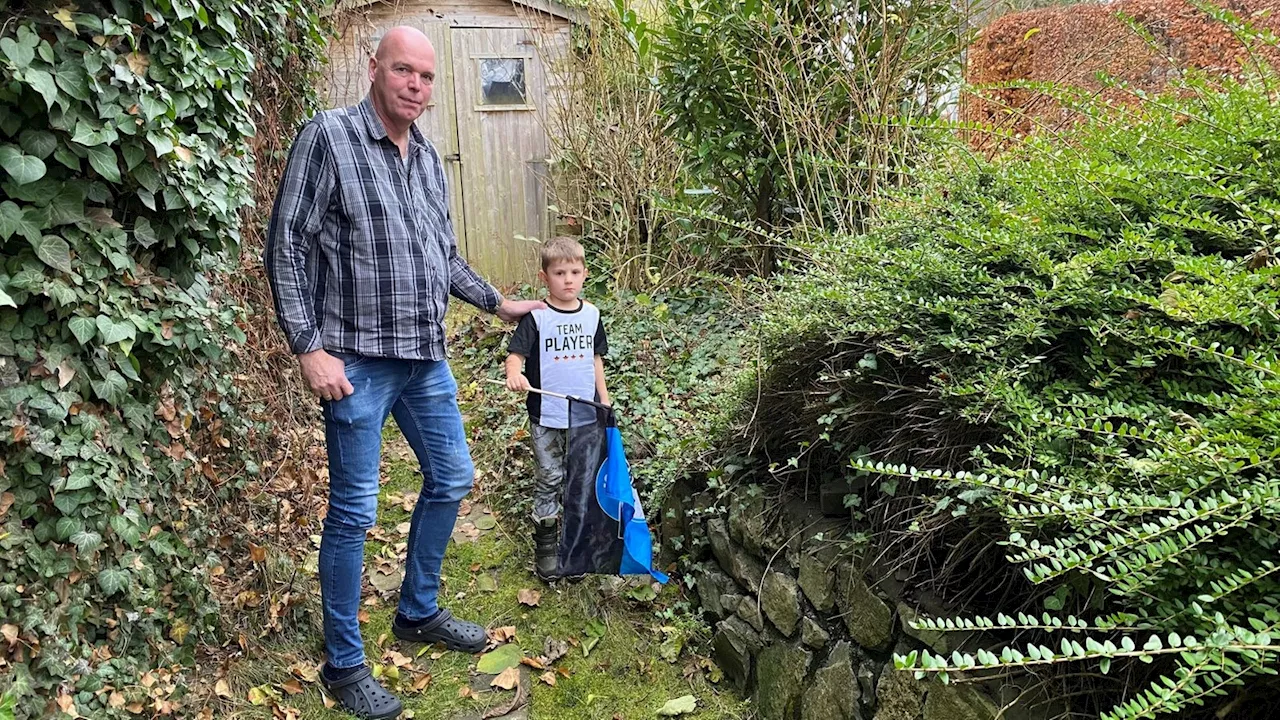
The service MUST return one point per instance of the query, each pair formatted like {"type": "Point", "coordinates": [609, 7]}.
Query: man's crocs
{"type": "Point", "coordinates": [444, 628]}
{"type": "Point", "coordinates": [363, 696]}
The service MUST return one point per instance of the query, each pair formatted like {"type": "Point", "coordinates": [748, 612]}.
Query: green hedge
{"type": "Point", "coordinates": [124, 169]}
{"type": "Point", "coordinates": [1080, 340]}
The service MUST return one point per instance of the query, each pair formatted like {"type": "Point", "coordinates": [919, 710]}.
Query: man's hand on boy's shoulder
{"type": "Point", "coordinates": [512, 310]}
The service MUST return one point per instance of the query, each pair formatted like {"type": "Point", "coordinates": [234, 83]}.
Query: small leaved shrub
{"type": "Point", "coordinates": [1081, 340]}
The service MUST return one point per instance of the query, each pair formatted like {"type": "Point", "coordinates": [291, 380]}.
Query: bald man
{"type": "Point", "coordinates": [362, 258]}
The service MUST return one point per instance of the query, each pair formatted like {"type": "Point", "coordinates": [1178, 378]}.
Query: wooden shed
{"type": "Point", "coordinates": [498, 67]}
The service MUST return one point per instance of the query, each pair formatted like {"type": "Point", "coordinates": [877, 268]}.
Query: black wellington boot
{"type": "Point", "coordinates": [546, 548]}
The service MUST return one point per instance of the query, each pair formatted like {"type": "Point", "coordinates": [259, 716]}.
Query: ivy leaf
{"type": "Point", "coordinates": [67, 527]}
{"type": "Point", "coordinates": [21, 167]}
{"type": "Point", "coordinates": [55, 252]}
{"type": "Point", "coordinates": [42, 82]}
{"type": "Point", "coordinates": [20, 54]}
{"type": "Point", "coordinates": [113, 388]}
{"type": "Point", "coordinates": [126, 529]}
{"type": "Point", "coordinates": [83, 328]}
{"type": "Point", "coordinates": [14, 220]}
{"type": "Point", "coordinates": [40, 143]}
{"type": "Point", "coordinates": [87, 135]}
{"type": "Point", "coordinates": [133, 154]}
{"type": "Point", "coordinates": [114, 332]}
{"type": "Point", "coordinates": [67, 207]}
{"type": "Point", "coordinates": [86, 541]}
{"type": "Point", "coordinates": [143, 233]}
{"type": "Point", "coordinates": [153, 107]}
{"type": "Point", "coordinates": [162, 144]}
{"type": "Point", "coordinates": [72, 80]}
{"type": "Point", "coordinates": [103, 159]}
{"type": "Point", "coordinates": [5, 299]}
{"type": "Point", "coordinates": [113, 580]}
{"type": "Point", "coordinates": [67, 157]}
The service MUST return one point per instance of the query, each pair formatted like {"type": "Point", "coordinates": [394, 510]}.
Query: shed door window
{"type": "Point", "coordinates": [502, 81]}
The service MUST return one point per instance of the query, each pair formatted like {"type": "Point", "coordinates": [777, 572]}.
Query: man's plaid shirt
{"type": "Point", "coordinates": [360, 252]}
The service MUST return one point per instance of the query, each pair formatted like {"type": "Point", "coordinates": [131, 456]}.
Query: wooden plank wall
{"type": "Point", "coordinates": [358, 33]}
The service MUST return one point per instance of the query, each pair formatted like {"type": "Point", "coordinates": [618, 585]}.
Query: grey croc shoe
{"type": "Point", "coordinates": [363, 696]}
{"type": "Point", "coordinates": [455, 634]}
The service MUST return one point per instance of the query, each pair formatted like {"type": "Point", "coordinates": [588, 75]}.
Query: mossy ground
{"type": "Point", "coordinates": [623, 676]}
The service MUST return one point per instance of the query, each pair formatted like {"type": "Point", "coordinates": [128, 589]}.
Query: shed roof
{"type": "Point", "coordinates": [551, 7]}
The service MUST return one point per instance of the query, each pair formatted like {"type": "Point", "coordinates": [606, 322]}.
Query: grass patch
{"type": "Point", "coordinates": [622, 675]}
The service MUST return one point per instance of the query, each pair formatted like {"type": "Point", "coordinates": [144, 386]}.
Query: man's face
{"type": "Point", "coordinates": [402, 80]}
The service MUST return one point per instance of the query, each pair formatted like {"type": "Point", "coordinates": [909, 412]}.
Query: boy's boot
{"type": "Point", "coordinates": [546, 547]}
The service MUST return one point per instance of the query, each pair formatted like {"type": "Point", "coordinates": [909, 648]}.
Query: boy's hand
{"type": "Point", "coordinates": [518, 382]}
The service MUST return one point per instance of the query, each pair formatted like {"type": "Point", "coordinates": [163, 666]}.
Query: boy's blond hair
{"type": "Point", "coordinates": [561, 249]}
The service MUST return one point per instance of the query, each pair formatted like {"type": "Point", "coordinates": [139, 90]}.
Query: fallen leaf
{"type": "Point", "coordinates": [291, 686]}
{"type": "Point", "coordinates": [305, 671]}
{"type": "Point", "coordinates": [257, 553]}
{"type": "Point", "coordinates": [507, 679]}
{"type": "Point", "coordinates": [67, 704]}
{"type": "Point", "coordinates": [486, 583]}
{"type": "Point", "coordinates": [529, 597]}
{"type": "Point", "coordinates": [679, 706]}
{"type": "Point", "coordinates": [6, 502]}
{"type": "Point", "coordinates": [184, 154]}
{"type": "Point", "coordinates": [518, 700]}
{"type": "Point", "coordinates": [486, 522]}
{"type": "Point", "coordinates": [403, 528]}
{"type": "Point", "coordinates": [10, 633]}
{"type": "Point", "coordinates": [422, 682]}
{"type": "Point", "coordinates": [492, 663]}
{"type": "Point", "coordinates": [465, 691]}
{"type": "Point", "coordinates": [398, 659]}
{"type": "Point", "coordinates": [553, 649]}
{"type": "Point", "coordinates": [259, 695]}
{"type": "Point", "coordinates": [502, 634]}
{"type": "Point", "coordinates": [548, 678]}
{"type": "Point", "coordinates": [386, 582]}
{"type": "Point", "coordinates": [534, 663]}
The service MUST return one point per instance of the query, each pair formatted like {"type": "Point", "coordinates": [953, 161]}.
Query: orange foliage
{"type": "Point", "coordinates": [1072, 45]}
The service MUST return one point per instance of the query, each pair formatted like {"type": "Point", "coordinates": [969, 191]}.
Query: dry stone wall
{"type": "Point", "coordinates": [805, 629]}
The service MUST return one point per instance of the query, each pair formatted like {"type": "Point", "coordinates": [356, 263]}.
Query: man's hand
{"type": "Point", "coordinates": [513, 310]}
{"type": "Point", "coordinates": [325, 375]}
{"type": "Point", "coordinates": [518, 382]}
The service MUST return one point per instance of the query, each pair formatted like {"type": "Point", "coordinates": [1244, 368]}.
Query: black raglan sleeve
{"type": "Point", "coordinates": [524, 341]}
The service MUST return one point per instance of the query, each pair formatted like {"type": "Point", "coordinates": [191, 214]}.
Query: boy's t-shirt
{"type": "Point", "coordinates": [560, 349]}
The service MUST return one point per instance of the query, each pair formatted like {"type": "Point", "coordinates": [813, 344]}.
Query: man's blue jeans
{"type": "Point", "coordinates": [423, 397]}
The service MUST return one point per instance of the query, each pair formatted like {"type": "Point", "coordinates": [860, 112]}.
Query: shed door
{"type": "Point", "coordinates": [498, 88]}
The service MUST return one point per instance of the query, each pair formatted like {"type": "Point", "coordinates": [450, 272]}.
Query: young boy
{"type": "Point", "coordinates": [560, 349]}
